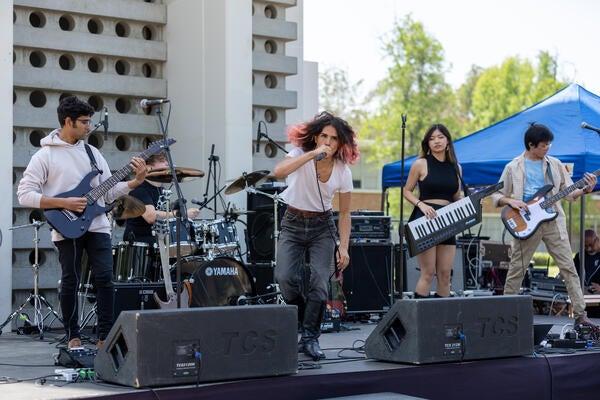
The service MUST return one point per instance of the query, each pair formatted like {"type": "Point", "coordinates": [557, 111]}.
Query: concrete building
{"type": "Point", "coordinates": [229, 68]}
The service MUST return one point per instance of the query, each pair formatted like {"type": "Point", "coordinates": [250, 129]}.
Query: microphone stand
{"type": "Point", "coordinates": [401, 221]}
{"type": "Point", "coordinates": [181, 203]}
{"type": "Point", "coordinates": [212, 175]}
{"type": "Point", "coordinates": [274, 143]}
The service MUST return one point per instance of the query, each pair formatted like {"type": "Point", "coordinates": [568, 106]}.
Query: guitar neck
{"type": "Point", "coordinates": [566, 191]}
{"type": "Point", "coordinates": [486, 192]}
{"type": "Point", "coordinates": [115, 178]}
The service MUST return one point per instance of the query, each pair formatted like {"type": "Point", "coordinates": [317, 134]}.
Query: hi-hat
{"type": "Point", "coordinates": [127, 207]}
{"type": "Point", "coordinates": [246, 180]}
{"type": "Point", "coordinates": [164, 175]}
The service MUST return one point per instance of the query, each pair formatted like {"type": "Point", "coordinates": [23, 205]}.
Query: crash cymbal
{"type": "Point", "coordinates": [236, 212]}
{"type": "Point", "coordinates": [163, 175]}
{"type": "Point", "coordinates": [127, 207]}
{"type": "Point", "coordinates": [246, 180]}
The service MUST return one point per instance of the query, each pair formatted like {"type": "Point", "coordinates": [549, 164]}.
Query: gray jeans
{"type": "Point", "coordinates": [302, 236]}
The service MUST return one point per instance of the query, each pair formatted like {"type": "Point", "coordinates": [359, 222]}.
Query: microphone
{"type": "Point", "coordinates": [321, 156]}
{"type": "Point", "coordinates": [258, 136]}
{"type": "Point", "coordinates": [196, 201]}
{"type": "Point", "coordinates": [584, 125]}
{"type": "Point", "coordinates": [105, 123]}
{"type": "Point", "coordinates": [145, 103]}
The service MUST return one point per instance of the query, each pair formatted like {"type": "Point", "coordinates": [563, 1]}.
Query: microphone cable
{"type": "Point", "coordinates": [332, 234]}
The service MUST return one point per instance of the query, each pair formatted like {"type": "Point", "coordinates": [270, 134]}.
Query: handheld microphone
{"type": "Point", "coordinates": [321, 156]}
{"type": "Point", "coordinates": [145, 103]}
{"type": "Point", "coordinates": [196, 201]}
{"type": "Point", "coordinates": [584, 125]}
{"type": "Point", "coordinates": [105, 123]}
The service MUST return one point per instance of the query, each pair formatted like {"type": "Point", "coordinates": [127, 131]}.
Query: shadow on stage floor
{"type": "Point", "coordinates": [560, 374]}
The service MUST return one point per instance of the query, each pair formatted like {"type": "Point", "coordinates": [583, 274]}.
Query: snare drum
{"type": "Point", "coordinates": [187, 243]}
{"type": "Point", "coordinates": [219, 282]}
{"type": "Point", "coordinates": [133, 261]}
{"type": "Point", "coordinates": [217, 236]}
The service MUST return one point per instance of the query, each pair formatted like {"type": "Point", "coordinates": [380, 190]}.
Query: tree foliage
{"type": "Point", "coordinates": [414, 87]}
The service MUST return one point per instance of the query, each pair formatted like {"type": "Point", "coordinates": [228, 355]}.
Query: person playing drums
{"type": "Point", "coordinates": [139, 229]}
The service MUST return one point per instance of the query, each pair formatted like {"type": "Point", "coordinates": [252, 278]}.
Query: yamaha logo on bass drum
{"type": "Point", "coordinates": [221, 271]}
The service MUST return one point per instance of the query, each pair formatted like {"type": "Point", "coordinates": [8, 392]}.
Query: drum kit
{"type": "Point", "coordinates": [210, 263]}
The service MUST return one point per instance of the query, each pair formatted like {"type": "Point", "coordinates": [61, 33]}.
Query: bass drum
{"type": "Point", "coordinates": [219, 282]}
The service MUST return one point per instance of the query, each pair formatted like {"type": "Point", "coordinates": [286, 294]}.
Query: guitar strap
{"type": "Point", "coordinates": [549, 172]}
{"type": "Point", "coordinates": [92, 158]}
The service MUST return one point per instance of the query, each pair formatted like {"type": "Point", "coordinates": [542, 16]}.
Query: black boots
{"type": "Point", "coordinates": [301, 305]}
{"type": "Point", "coordinates": [311, 330]}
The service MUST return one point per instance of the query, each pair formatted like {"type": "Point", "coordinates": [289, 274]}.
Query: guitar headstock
{"type": "Point", "coordinates": [158, 146]}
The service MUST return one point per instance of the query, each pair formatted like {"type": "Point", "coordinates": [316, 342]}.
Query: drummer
{"type": "Point", "coordinates": [139, 229]}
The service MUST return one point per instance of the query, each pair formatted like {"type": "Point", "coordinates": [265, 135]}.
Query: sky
{"type": "Point", "coordinates": [348, 34]}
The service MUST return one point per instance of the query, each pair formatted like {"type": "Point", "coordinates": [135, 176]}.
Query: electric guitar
{"type": "Point", "coordinates": [523, 223]}
{"type": "Point", "coordinates": [163, 246]}
{"type": "Point", "coordinates": [73, 225]}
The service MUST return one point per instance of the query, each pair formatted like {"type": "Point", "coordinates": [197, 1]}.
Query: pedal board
{"type": "Point", "coordinates": [79, 357]}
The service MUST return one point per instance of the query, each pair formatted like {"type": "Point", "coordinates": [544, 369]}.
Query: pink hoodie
{"type": "Point", "coordinates": [59, 167]}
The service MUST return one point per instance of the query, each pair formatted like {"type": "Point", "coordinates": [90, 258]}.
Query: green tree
{"type": "Point", "coordinates": [501, 91]}
{"type": "Point", "coordinates": [340, 96]}
{"type": "Point", "coordinates": [414, 87]}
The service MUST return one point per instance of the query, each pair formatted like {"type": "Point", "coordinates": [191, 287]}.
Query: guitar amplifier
{"type": "Point", "coordinates": [137, 295]}
{"type": "Point", "coordinates": [368, 228]}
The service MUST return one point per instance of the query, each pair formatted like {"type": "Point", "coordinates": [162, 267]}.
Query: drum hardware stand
{"type": "Point", "coordinates": [38, 300]}
{"type": "Point", "coordinates": [276, 199]}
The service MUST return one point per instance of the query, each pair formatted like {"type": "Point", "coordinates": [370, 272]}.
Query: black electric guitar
{"type": "Point", "coordinates": [523, 223]}
{"type": "Point", "coordinates": [73, 225]}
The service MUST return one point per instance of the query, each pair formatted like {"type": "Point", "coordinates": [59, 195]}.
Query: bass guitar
{"type": "Point", "coordinates": [521, 224]}
{"type": "Point", "coordinates": [73, 225]}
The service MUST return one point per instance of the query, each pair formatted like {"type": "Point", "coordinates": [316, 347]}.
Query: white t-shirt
{"type": "Point", "coordinates": [302, 191]}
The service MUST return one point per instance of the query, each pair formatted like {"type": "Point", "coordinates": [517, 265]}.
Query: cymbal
{"type": "Point", "coordinates": [236, 212]}
{"type": "Point", "coordinates": [127, 206]}
{"type": "Point", "coordinates": [246, 180]}
{"type": "Point", "coordinates": [183, 174]}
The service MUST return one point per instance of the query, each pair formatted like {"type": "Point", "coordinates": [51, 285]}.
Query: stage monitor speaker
{"type": "Point", "coordinates": [179, 346]}
{"type": "Point", "coordinates": [412, 272]}
{"type": "Point", "coordinates": [261, 224]}
{"type": "Point", "coordinates": [368, 280]}
{"type": "Point", "coordinates": [422, 331]}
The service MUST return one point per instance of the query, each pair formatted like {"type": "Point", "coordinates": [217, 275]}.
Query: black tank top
{"type": "Point", "coordinates": [441, 181]}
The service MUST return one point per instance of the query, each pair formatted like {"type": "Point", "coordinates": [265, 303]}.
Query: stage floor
{"type": "Point", "coordinates": [26, 359]}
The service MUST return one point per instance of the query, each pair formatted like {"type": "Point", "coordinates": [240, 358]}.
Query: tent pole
{"type": "Point", "coordinates": [582, 242]}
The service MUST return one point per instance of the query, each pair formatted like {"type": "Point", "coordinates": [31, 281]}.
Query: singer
{"type": "Point", "coordinates": [307, 227]}
{"type": "Point", "coordinates": [60, 166]}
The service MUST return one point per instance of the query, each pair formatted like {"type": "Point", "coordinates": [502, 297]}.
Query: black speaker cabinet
{"type": "Point", "coordinates": [368, 280]}
{"type": "Point", "coordinates": [412, 271]}
{"type": "Point", "coordinates": [136, 295]}
{"type": "Point", "coordinates": [424, 331]}
{"type": "Point", "coordinates": [261, 224]}
{"type": "Point", "coordinates": [172, 347]}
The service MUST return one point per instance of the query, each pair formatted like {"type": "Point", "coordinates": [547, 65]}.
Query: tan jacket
{"type": "Point", "coordinates": [513, 177]}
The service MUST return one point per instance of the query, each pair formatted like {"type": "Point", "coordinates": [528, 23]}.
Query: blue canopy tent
{"type": "Point", "coordinates": [484, 154]}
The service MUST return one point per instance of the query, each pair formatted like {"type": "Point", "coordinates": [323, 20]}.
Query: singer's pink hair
{"type": "Point", "coordinates": [303, 136]}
